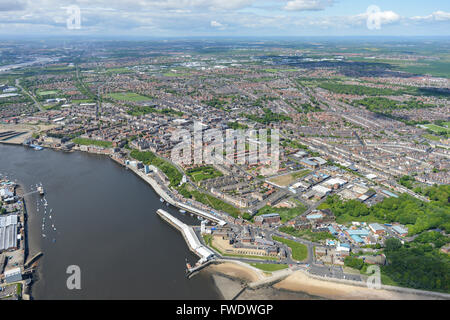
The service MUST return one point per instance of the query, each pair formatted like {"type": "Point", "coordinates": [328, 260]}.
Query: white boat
{"type": "Point", "coordinates": [161, 199]}
{"type": "Point", "coordinates": [182, 211]}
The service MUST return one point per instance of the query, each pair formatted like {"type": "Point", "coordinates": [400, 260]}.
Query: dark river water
{"type": "Point", "coordinates": [106, 224]}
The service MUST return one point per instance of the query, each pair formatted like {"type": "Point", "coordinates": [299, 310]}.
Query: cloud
{"type": "Point", "coordinates": [216, 24]}
{"type": "Point", "coordinates": [307, 5]}
{"type": "Point", "coordinates": [435, 16]}
{"type": "Point", "coordinates": [374, 18]}
{"type": "Point", "coordinates": [12, 5]}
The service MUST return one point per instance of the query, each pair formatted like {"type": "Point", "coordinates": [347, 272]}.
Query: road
{"type": "Point", "coordinates": [38, 105]}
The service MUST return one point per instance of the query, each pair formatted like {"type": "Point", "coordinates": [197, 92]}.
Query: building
{"type": "Point", "coordinates": [401, 231]}
{"type": "Point", "coordinates": [377, 228]}
{"type": "Point", "coordinates": [5, 193]}
{"type": "Point", "coordinates": [8, 232]}
{"type": "Point", "coordinates": [269, 218]}
{"type": "Point", "coordinates": [13, 275]}
{"type": "Point", "coordinates": [309, 164]}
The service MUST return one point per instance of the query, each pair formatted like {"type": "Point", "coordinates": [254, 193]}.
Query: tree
{"type": "Point", "coordinates": [392, 244]}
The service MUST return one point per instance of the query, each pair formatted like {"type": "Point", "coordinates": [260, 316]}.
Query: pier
{"type": "Point", "coordinates": [33, 259]}
{"type": "Point", "coordinates": [190, 237]}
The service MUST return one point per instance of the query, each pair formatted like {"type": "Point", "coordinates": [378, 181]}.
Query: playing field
{"type": "Point", "coordinates": [46, 93]}
{"type": "Point", "coordinates": [289, 178]}
{"type": "Point", "coordinates": [437, 129]}
{"type": "Point", "coordinates": [128, 96]}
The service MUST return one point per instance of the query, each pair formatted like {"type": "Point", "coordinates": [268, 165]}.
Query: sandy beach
{"type": "Point", "coordinates": [236, 271]}
{"type": "Point", "coordinates": [298, 285]}
{"type": "Point", "coordinates": [300, 281]}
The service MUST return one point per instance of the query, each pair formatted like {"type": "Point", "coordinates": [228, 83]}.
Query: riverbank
{"type": "Point", "coordinates": [16, 277]}
{"type": "Point", "coordinates": [238, 272]}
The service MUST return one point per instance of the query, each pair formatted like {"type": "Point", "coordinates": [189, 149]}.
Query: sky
{"type": "Point", "coordinates": [225, 18]}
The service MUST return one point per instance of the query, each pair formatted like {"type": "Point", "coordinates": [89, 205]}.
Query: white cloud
{"type": "Point", "coordinates": [307, 5]}
{"type": "Point", "coordinates": [435, 16]}
{"type": "Point", "coordinates": [383, 17]}
{"type": "Point", "coordinates": [216, 24]}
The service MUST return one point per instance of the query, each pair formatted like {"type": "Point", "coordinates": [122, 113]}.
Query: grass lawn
{"type": "Point", "coordinates": [436, 129]}
{"type": "Point", "coordinates": [299, 251]}
{"type": "Point", "coordinates": [307, 234]}
{"type": "Point", "coordinates": [46, 93]}
{"type": "Point", "coordinates": [128, 96]}
{"type": "Point", "coordinates": [287, 179]}
{"type": "Point", "coordinates": [203, 173]}
{"type": "Point", "coordinates": [286, 214]}
{"type": "Point", "coordinates": [215, 203]}
{"type": "Point", "coordinates": [386, 280]}
{"type": "Point", "coordinates": [90, 142]}
{"type": "Point", "coordinates": [431, 137]}
{"type": "Point", "coordinates": [83, 101]}
{"type": "Point", "coordinates": [175, 74]}
{"type": "Point", "coordinates": [269, 267]}
{"type": "Point", "coordinates": [119, 70]}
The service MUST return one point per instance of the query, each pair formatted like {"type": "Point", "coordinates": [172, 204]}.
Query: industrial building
{"type": "Point", "coordinates": [8, 232]}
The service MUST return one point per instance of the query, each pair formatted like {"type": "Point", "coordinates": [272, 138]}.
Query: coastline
{"type": "Point", "coordinates": [300, 285]}
{"type": "Point", "coordinates": [298, 282]}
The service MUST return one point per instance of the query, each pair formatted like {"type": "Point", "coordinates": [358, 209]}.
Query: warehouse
{"type": "Point", "coordinates": [8, 232]}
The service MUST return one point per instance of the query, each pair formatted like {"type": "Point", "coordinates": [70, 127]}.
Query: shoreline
{"type": "Point", "coordinates": [299, 281]}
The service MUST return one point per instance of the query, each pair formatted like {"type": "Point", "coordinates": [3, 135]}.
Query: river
{"type": "Point", "coordinates": [102, 220]}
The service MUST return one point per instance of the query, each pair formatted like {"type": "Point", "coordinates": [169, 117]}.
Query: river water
{"type": "Point", "coordinates": [103, 220]}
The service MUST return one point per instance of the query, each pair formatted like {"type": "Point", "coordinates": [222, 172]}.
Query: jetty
{"type": "Point", "coordinates": [33, 259]}
{"type": "Point", "coordinates": [190, 237]}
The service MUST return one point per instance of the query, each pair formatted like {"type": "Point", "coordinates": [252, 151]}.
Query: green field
{"type": "Point", "coordinates": [437, 129]}
{"type": "Point", "coordinates": [119, 70]}
{"type": "Point", "coordinates": [203, 173]}
{"type": "Point", "coordinates": [286, 214]}
{"type": "Point", "coordinates": [299, 251]}
{"type": "Point", "coordinates": [48, 92]}
{"type": "Point", "coordinates": [128, 96]}
{"type": "Point", "coordinates": [175, 74]}
{"type": "Point", "coordinates": [269, 267]}
{"type": "Point", "coordinates": [76, 101]}
{"type": "Point", "coordinates": [90, 142]}
{"type": "Point", "coordinates": [435, 68]}
{"type": "Point", "coordinates": [431, 137]}
{"type": "Point", "coordinates": [307, 234]}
